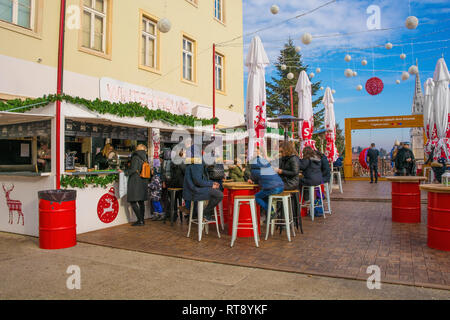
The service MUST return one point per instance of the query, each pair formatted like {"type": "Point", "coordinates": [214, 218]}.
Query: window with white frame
{"type": "Point", "coordinates": [149, 43]}
{"type": "Point", "coordinates": [18, 12]}
{"type": "Point", "coordinates": [188, 59]}
{"type": "Point", "coordinates": [218, 9]}
{"type": "Point", "coordinates": [94, 24]}
{"type": "Point", "coordinates": [219, 72]}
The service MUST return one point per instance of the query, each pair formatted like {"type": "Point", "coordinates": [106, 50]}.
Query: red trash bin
{"type": "Point", "coordinates": [57, 219]}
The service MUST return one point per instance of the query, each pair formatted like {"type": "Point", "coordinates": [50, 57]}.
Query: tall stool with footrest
{"type": "Point", "coordinates": [312, 197]}
{"type": "Point", "coordinates": [238, 201]}
{"type": "Point", "coordinates": [287, 221]}
{"type": "Point", "coordinates": [199, 221]}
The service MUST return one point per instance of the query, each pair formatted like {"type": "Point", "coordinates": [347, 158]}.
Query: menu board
{"type": "Point", "coordinates": [29, 129]}
{"type": "Point", "coordinates": [83, 129]}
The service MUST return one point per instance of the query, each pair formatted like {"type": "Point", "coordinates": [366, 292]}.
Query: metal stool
{"type": "Point", "coordinates": [327, 193]}
{"type": "Point", "coordinates": [288, 220]}
{"type": "Point", "coordinates": [222, 223]}
{"type": "Point", "coordinates": [312, 197]}
{"type": "Point", "coordinates": [238, 201]}
{"type": "Point", "coordinates": [173, 205]}
{"type": "Point", "coordinates": [298, 219]}
{"type": "Point", "coordinates": [199, 221]}
{"type": "Point", "coordinates": [339, 178]}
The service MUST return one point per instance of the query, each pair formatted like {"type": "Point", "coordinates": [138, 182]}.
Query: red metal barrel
{"type": "Point", "coordinates": [57, 221]}
{"type": "Point", "coordinates": [439, 221]}
{"type": "Point", "coordinates": [225, 206]}
{"type": "Point", "coordinates": [406, 202]}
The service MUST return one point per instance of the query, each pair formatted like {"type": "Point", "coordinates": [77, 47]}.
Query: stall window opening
{"type": "Point", "coordinates": [94, 24]}
{"type": "Point", "coordinates": [18, 12]}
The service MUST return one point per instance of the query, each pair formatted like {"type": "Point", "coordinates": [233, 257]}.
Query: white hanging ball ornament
{"type": "Point", "coordinates": [348, 58]}
{"type": "Point", "coordinates": [405, 76]}
{"type": "Point", "coordinates": [306, 38]}
{"type": "Point", "coordinates": [283, 67]}
{"type": "Point", "coordinates": [364, 62]}
{"type": "Point", "coordinates": [274, 9]}
{"type": "Point", "coordinates": [298, 49]}
{"type": "Point", "coordinates": [412, 22]}
{"type": "Point", "coordinates": [388, 46]}
{"type": "Point", "coordinates": [333, 91]}
{"type": "Point", "coordinates": [355, 73]}
{"type": "Point", "coordinates": [312, 75]}
{"type": "Point", "coordinates": [403, 56]}
{"type": "Point", "coordinates": [413, 70]}
{"type": "Point", "coordinates": [348, 73]}
{"type": "Point", "coordinates": [397, 81]}
{"type": "Point", "coordinates": [318, 70]}
{"type": "Point", "coordinates": [359, 87]}
{"type": "Point", "coordinates": [164, 25]}
{"type": "Point", "coordinates": [290, 76]}
{"type": "Point", "coordinates": [321, 88]}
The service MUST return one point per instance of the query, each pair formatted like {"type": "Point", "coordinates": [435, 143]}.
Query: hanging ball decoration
{"type": "Point", "coordinates": [412, 22]}
{"type": "Point", "coordinates": [306, 38]}
{"type": "Point", "coordinates": [290, 76]}
{"type": "Point", "coordinates": [355, 73]}
{"type": "Point", "coordinates": [312, 75]}
{"type": "Point", "coordinates": [413, 70]}
{"type": "Point", "coordinates": [403, 56]}
{"type": "Point", "coordinates": [333, 91]}
{"type": "Point", "coordinates": [283, 67]}
{"type": "Point", "coordinates": [298, 49]}
{"type": "Point", "coordinates": [348, 58]}
{"type": "Point", "coordinates": [397, 81]}
{"type": "Point", "coordinates": [374, 86]}
{"type": "Point", "coordinates": [405, 76]}
{"type": "Point", "coordinates": [164, 25]}
{"type": "Point", "coordinates": [364, 62]}
{"type": "Point", "coordinates": [321, 88]}
{"type": "Point", "coordinates": [348, 73]}
{"type": "Point", "coordinates": [318, 70]}
{"type": "Point", "coordinates": [274, 9]}
{"type": "Point", "coordinates": [388, 46]}
{"type": "Point", "coordinates": [359, 87]}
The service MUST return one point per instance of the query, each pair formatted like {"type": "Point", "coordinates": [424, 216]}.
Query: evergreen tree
{"type": "Point", "coordinates": [278, 92]}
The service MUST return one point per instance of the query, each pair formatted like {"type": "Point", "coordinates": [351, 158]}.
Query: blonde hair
{"type": "Point", "coordinates": [105, 150]}
{"type": "Point", "coordinates": [142, 147]}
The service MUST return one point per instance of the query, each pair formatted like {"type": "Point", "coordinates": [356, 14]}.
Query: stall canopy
{"type": "Point", "coordinates": [8, 118]}
{"type": "Point", "coordinates": [256, 62]}
{"type": "Point", "coordinates": [441, 103]}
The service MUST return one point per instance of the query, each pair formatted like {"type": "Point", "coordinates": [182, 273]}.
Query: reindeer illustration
{"type": "Point", "coordinates": [13, 205]}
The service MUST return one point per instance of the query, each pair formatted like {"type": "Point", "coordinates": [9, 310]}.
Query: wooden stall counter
{"type": "Point", "coordinates": [406, 207]}
{"type": "Point", "coordinates": [438, 216]}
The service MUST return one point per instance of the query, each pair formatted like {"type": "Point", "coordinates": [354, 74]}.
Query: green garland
{"type": "Point", "coordinates": [130, 109]}
{"type": "Point", "coordinates": [82, 183]}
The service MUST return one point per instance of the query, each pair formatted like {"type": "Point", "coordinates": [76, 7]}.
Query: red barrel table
{"type": "Point", "coordinates": [438, 216]}
{"type": "Point", "coordinates": [406, 206]}
{"type": "Point", "coordinates": [241, 189]}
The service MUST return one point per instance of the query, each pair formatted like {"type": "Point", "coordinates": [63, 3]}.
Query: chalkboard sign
{"type": "Point", "coordinates": [70, 161]}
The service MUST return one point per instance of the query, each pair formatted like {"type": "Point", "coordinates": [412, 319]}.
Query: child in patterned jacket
{"type": "Point", "coordinates": [155, 189]}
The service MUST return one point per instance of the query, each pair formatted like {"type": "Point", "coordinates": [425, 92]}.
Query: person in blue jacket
{"type": "Point", "coordinates": [198, 187]}
{"type": "Point", "coordinates": [269, 181]}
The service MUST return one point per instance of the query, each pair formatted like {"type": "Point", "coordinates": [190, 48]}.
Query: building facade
{"type": "Point", "coordinates": [114, 51]}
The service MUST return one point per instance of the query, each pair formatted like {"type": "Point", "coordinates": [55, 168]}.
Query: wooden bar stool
{"type": "Point", "coordinates": [173, 206]}
{"type": "Point", "coordinates": [238, 201]}
{"type": "Point", "coordinates": [199, 221]}
{"type": "Point", "coordinates": [312, 197]}
{"type": "Point", "coordinates": [288, 220]}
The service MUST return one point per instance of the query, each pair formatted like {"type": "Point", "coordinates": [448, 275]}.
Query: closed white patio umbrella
{"type": "Point", "coordinates": [441, 102]}
{"type": "Point", "coordinates": [330, 126]}
{"type": "Point", "coordinates": [305, 111]}
{"type": "Point", "coordinates": [428, 116]}
{"type": "Point", "coordinates": [256, 62]}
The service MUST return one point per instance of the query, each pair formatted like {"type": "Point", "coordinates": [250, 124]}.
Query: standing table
{"type": "Point", "coordinates": [406, 207]}
{"type": "Point", "coordinates": [438, 216]}
{"type": "Point", "coordinates": [241, 189]}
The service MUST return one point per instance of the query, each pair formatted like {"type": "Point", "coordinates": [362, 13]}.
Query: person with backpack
{"type": "Point", "coordinates": [138, 175]}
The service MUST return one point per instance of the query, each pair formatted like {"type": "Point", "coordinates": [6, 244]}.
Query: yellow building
{"type": "Point", "coordinates": [114, 51]}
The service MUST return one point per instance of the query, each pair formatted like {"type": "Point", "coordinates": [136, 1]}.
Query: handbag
{"type": "Point", "coordinates": [216, 172]}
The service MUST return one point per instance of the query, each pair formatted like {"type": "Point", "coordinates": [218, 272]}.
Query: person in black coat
{"type": "Point", "coordinates": [137, 192]}
{"type": "Point", "coordinates": [405, 161]}
{"type": "Point", "coordinates": [311, 167]}
{"type": "Point", "coordinates": [198, 187]}
{"type": "Point", "coordinates": [289, 166]}
{"type": "Point", "coordinates": [325, 167]}
{"type": "Point", "coordinates": [372, 161]}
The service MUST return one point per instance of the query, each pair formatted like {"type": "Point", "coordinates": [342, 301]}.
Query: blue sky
{"type": "Point", "coordinates": [429, 41]}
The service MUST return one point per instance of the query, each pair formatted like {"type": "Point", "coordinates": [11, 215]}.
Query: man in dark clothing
{"type": "Point", "coordinates": [198, 187]}
{"type": "Point", "coordinates": [405, 161]}
{"type": "Point", "coordinates": [325, 167]}
{"type": "Point", "coordinates": [372, 161]}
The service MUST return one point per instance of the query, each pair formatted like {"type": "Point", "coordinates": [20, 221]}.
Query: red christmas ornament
{"type": "Point", "coordinates": [108, 207]}
{"type": "Point", "coordinates": [374, 86]}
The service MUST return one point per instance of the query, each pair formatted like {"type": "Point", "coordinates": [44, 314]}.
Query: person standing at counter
{"type": "Point", "coordinates": [137, 192]}
{"type": "Point", "coordinates": [101, 158]}
{"type": "Point", "coordinates": [44, 157]}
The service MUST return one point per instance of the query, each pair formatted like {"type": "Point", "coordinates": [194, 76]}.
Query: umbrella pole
{"type": "Point", "coordinates": [292, 109]}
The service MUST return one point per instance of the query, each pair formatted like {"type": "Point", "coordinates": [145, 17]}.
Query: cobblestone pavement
{"type": "Point", "coordinates": [357, 235]}
{"type": "Point", "coordinates": [27, 272]}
